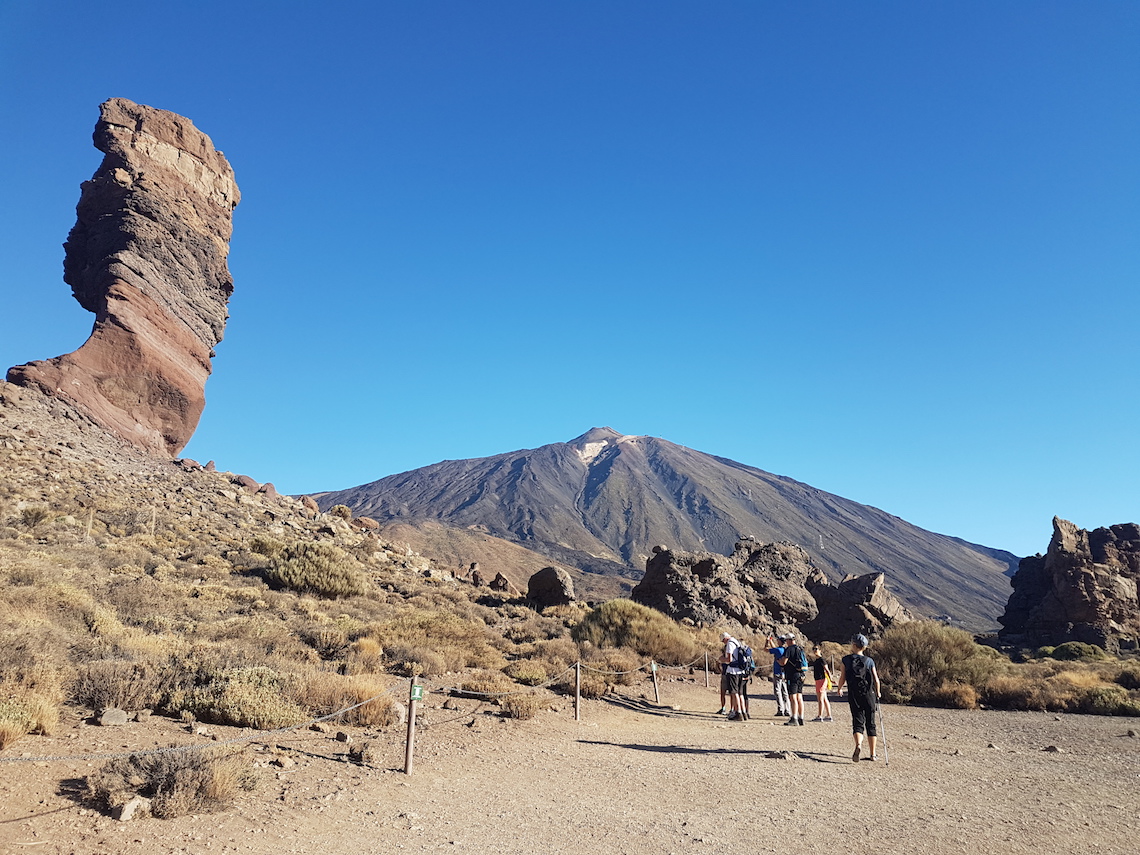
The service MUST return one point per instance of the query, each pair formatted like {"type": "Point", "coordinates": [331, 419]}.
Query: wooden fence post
{"type": "Point", "coordinates": [415, 693]}
{"type": "Point", "coordinates": [706, 669]}
{"type": "Point", "coordinates": [656, 694]}
{"type": "Point", "coordinates": [577, 691]}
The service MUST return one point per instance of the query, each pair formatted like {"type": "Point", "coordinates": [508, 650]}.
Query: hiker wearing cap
{"type": "Point", "coordinates": [862, 680]}
{"type": "Point", "coordinates": [734, 677]}
{"type": "Point", "coordinates": [795, 665]}
{"type": "Point", "coordinates": [779, 687]}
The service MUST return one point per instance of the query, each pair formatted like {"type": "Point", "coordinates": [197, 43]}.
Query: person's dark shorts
{"type": "Point", "coordinates": [796, 683]}
{"type": "Point", "coordinates": [863, 714]}
{"type": "Point", "coordinates": [735, 684]}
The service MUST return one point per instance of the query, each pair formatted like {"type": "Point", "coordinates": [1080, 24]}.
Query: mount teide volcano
{"type": "Point", "coordinates": [600, 502]}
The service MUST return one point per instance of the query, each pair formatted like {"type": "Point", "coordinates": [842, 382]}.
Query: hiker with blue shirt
{"type": "Point", "coordinates": [779, 687]}
{"type": "Point", "coordinates": [795, 666]}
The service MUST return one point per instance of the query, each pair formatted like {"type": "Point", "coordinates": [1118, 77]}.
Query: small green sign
{"type": "Point", "coordinates": [417, 693]}
{"type": "Point", "coordinates": [654, 664]}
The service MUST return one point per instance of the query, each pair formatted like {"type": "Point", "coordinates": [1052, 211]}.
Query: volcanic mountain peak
{"type": "Point", "coordinates": [594, 441]}
{"type": "Point", "coordinates": [601, 501]}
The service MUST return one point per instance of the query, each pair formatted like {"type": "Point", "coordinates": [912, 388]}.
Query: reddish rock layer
{"type": "Point", "coordinates": [147, 255]}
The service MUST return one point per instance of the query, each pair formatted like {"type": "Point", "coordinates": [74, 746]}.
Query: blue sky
{"type": "Point", "coordinates": [888, 248]}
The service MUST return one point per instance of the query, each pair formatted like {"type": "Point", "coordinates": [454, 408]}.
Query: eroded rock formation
{"type": "Point", "coordinates": [857, 604]}
{"type": "Point", "coordinates": [147, 255]}
{"type": "Point", "coordinates": [757, 587]}
{"type": "Point", "coordinates": [1084, 588]}
{"type": "Point", "coordinates": [766, 586]}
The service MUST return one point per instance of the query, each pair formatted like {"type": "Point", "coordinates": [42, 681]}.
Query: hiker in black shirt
{"type": "Point", "coordinates": [862, 681]}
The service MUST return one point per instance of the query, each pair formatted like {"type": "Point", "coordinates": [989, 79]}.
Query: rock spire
{"type": "Point", "coordinates": [147, 256]}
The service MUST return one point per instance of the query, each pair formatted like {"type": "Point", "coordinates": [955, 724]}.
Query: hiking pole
{"type": "Point", "coordinates": [883, 731]}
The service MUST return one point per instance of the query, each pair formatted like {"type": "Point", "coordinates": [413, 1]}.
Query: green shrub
{"type": "Point", "coordinates": [1129, 675]}
{"type": "Point", "coordinates": [916, 659]}
{"type": "Point", "coordinates": [1078, 651]}
{"type": "Point", "coordinates": [651, 634]}
{"type": "Point", "coordinates": [316, 568]}
{"type": "Point", "coordinates": [256, 697]}
{"type": "Point", "coordinates": [1106, 700]}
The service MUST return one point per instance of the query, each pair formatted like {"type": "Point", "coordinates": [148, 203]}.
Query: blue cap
{"type": "Point", "coordinates": [860, 640]}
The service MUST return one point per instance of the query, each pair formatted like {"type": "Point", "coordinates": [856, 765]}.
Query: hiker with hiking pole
{"type": "Point", "coordinates": [863, 689]}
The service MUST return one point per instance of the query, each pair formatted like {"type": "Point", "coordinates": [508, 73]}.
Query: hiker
{"type": "Point", "coordinates": [779, 687]}
{"type": "Point", "coordinates": [862, 680]}
{"type": "Point", "coordinates": [734, 677]}
{"type": "Point", "coordinates": [822, 675]}
{"type": "Point", "coordinates": [795, 665]}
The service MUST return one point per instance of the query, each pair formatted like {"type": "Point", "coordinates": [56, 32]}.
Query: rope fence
{"type": "Point", "coordinates": [415, 694]}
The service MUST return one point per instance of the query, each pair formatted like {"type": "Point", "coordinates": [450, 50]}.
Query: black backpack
{"type": "Point", "coordinates": [859, 675]}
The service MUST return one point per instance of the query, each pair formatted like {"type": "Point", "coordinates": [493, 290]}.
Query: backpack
{"type": "Point", "coordinates": [859, 675]}
{"type": "Point", "coordinates": [742, 659]}
{"type": "Point", "coordinates": [796, 659]}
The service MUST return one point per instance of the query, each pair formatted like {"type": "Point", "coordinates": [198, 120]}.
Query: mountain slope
{"type": "Point", "coordinates": [601, 501]}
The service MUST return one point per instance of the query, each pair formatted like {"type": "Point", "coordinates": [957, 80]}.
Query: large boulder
{"type": "Point", "coordinates": [858, 604]}
{"type": "Point", "coordinates": [551, 586]}
{"type": "Point", "coordinates": [147, 255]}
{"type": "Point", "coordinates": [1084, 588]}
{"type": "Point", "coordinates": [757, 587]}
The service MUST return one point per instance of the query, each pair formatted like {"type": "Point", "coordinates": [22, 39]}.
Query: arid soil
{"type": "Point", "coordinates": [630, 777]}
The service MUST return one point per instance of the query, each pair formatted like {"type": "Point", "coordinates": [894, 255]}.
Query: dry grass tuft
{"type": "Point", "coordinates": [177, 783]}
{"type": "Point", "coordinates": [649, 633]}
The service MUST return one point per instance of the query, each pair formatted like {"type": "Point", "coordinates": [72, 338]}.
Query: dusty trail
{"type": "Point", "coordinates": [632, 778]}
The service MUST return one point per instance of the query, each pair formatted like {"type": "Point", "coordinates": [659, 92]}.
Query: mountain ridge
{"type": "Point", "coordinates": [602, 500]}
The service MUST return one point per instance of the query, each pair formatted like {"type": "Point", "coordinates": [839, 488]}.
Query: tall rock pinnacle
{"type": "Point", "coordinates": [147, 255]}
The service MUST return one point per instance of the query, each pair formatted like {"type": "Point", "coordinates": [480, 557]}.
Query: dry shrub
{"type": "Point", "coordinates": [1078, 688]}
{"type": "Point", "coordinates": [120, 684]}
{"type": "Point", "coordinates": [1128, 676]}
{"type": "Point", "coordinates": [485, 682]}
{"type": "Point", "coordinates": [317, 568]}
{"type": "Point", "coordinates": [527, 672]}
{"type": "Point", "coordinates": [323, 694]}
{"type": "Point", "coordinates": [365, 656]}
{"type": "Point", "coordinates": [524, 706]}
{"type": "Point", "coordinates": [917, 658]}
{"type": "Point", "coordinates": [438, 642]}
{"type": "Point", "coordinates": [177, 783]}
{"type": "Point", "coordinates": [329, 642]}
{"type": "Point", "coordinates": [958, 696]}
{"type": "Point", "coordinates": [621, 667]}
{"type": "Point", "coordinates": [624, 623]}
{"type": "Point", "coordinates": [257, 697]}
{"type": "Point", "coordinates": [1106, 700]}
{"type": "Point", "coordinates": [24, 711]}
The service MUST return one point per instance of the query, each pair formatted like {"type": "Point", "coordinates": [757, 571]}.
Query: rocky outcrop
{"type": "Point", "coordinates": [1084, 588]}
{"type": "Point", "coordinates": [551, 586]}
{"type": "Point", "coordinates": [757, 587]}
{"type": "Point", "coordinates": [858, 604]}
{"type": "Point", "coordinates": [147, 255]}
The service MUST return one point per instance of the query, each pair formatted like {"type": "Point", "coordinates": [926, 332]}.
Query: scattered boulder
{"type": "Point", "coordinates": [477, 577]}
{"type": "Point", "coordinates": [267, 490]}
{"type": "Point", "coordinates": [551, 586]}
{"type": "Point", "coordinates": [136, 808]}
{"type": "Point", "coordinates": [1083, 589]}
{"type": "Point", "coordinates": [310, 506]}
{"type": "Point", "coordinates": [246, 483]}
{"type": "Point", "coordinates": [504, 586]}
{"type": "Point", "coordinates": [112, 717]}
{"type": "Point", "coordinates": [365, 524]}
{"type": "Point", "coordinates": [147, 256]}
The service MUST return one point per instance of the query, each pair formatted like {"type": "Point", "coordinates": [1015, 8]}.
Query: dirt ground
{"type": "Point", "coordinates": [631, 777]}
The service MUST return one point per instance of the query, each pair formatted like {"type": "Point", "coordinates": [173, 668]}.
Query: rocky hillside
{"type": "Point", "coordinates": [600, 502]}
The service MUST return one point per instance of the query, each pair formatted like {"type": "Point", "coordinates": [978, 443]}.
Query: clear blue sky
{"type": "Point", "coordinates": [890, 249]}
